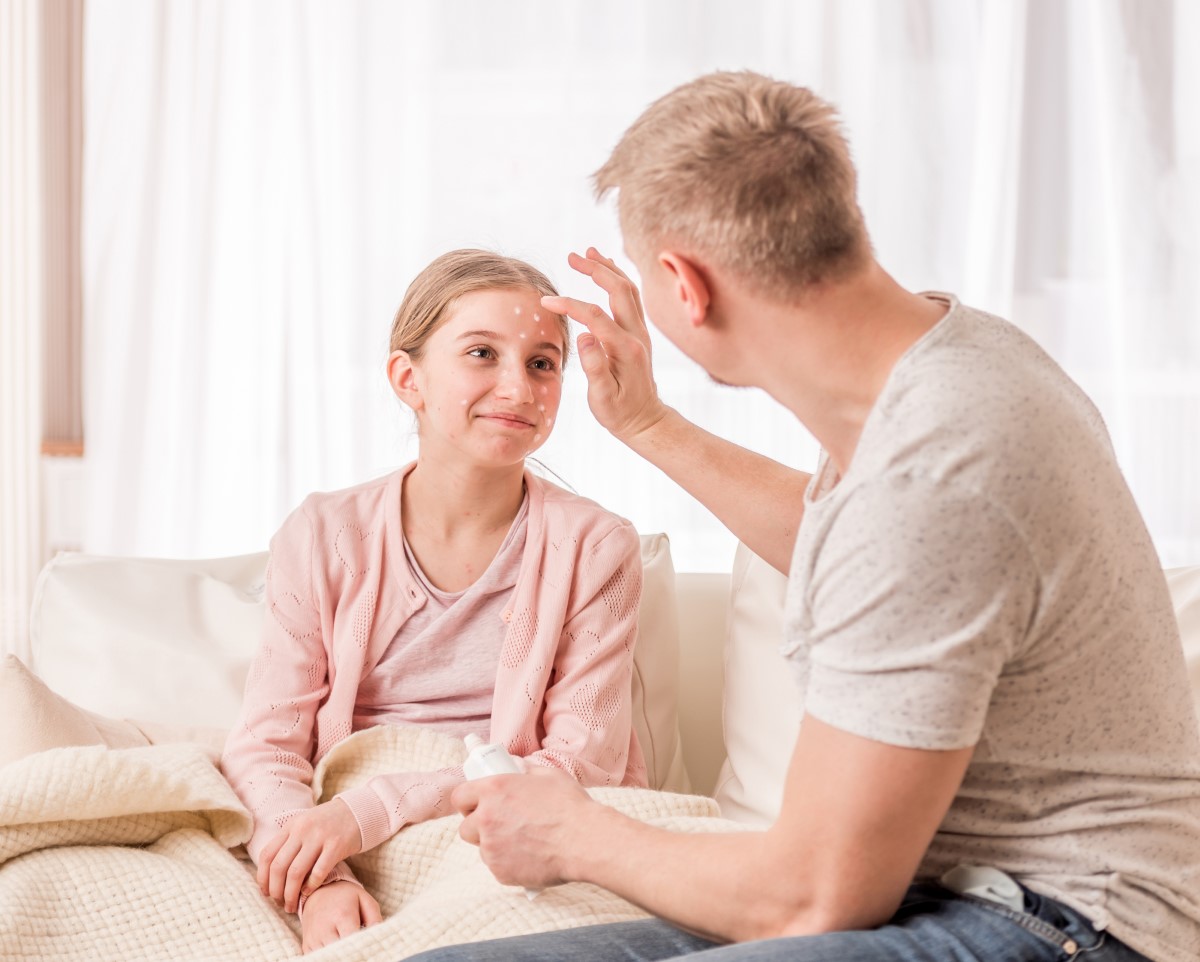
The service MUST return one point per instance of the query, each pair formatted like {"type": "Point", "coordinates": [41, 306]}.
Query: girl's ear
{"type": "Point", "coordinates": [402, 375]}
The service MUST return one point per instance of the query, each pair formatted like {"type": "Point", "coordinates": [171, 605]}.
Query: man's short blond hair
{"type": "Point", "coordinates": [752, 174]}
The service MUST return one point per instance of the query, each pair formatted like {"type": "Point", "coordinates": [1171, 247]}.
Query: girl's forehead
{"type": "Point", "coordinates": [507, 312]}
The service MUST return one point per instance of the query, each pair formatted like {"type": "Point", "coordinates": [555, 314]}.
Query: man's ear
{"type": "Point", "coordinates": [691, 284]}
{"type": "Point", "coordinates": [402, 375]}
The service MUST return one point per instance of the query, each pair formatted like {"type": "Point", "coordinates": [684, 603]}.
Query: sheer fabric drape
{"type": "Point", "coordinates": [262, 180]}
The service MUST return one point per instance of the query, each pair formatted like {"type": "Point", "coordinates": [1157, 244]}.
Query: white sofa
{"type": "Point", "coordinates": [166, 644]}
{"type": "Point", "coordinates": [134, 855]}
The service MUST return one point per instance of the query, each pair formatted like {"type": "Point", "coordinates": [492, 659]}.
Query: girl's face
{"type": "Point", "coordinates": [489, 381]}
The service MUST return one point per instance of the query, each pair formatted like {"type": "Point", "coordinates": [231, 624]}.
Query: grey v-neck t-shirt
{"type": "Point", "coordinates": [981, 576]}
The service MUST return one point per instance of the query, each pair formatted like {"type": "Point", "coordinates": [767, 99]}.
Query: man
{"type": "Point", "coordinates": [999, 757]}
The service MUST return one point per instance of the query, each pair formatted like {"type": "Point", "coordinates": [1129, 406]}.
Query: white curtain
{"type": "Point", "coordinates": [20, 318]}
{"type": "Point", "coordinates": [262, 180]}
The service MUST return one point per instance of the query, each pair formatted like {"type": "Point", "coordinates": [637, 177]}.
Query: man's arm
{"type": "Point", "coordinates": [856, 819]}
{"type": "Point", "coordinates": [758, 499]}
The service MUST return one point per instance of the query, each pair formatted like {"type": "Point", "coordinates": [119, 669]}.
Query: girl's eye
{"type": "Point", "coordinates": [484, 352]}
{"type": "Point", "coordinates": [544, 364]}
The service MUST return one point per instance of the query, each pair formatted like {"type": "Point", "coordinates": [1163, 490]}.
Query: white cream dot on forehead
{"type": "Point", "coordinates": [517, 309]}
{"type": "Point", "coordinates": [464, 401]}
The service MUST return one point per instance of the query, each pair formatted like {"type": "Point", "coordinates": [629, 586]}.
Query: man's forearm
{"type": "Point", "coordinates": [724, 887]}
{"type": "Point", "coordinates": [760, 500]}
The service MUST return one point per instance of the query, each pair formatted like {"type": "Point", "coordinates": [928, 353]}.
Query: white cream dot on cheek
{"type": "Point", "coordinates": [517, 310]}
{"type": "Point", "coordinates": [522, 334]}
{"type": "Point", "coordinates": [537, 316]}
{"type": "Point", "coordinates": [537, 437]}
{"type": "Point", "coordinates": [550, 422]}
{"type": "Point", "coordinates": [541, 407]}
{"type": "Point", "coordinates": [464, 402]}
{"type": "Point", "coordinates": [545, 390]}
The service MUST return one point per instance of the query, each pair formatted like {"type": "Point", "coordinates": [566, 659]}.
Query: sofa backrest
{"type": "Point", "coordinates": [752, 695]}
{"type": "Point", "coordinates": [169, 643]}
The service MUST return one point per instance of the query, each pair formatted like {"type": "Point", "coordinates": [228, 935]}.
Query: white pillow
{"type": "Point", "coordinates": [170, 642]}
{"type": "Point", "coordinates": [761, 711]}
{"type": "Point", "coordinates": [145, 638]}
{"type": "Point", "coordinates": [761, 705]}
{"type": "Point", "coordinates": [656, 669]}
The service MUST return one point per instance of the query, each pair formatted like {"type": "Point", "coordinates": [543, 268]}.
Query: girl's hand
{"type": "Point", "coordinates": [335, 911]}
{"type": "Point", "coordinates": [615, 352]}
{"type": "Point", "coordinates": [306, 851]}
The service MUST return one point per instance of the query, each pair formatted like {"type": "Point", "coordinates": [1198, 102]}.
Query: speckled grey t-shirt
{"type": "Point", "coordinates": [981, 576]}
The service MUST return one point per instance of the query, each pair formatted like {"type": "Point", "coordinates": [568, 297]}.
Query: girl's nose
{"type": "Point", "coordinates": [514, 384]}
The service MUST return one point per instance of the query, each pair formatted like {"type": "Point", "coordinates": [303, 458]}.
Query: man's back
{"type": "Point", "coordinates": [982, 575]}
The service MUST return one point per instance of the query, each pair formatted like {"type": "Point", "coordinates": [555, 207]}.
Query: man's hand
{"type": "Point", "coordinates": [306, 851]}
{"type": "Point", "coordinates": [335, 911]}
{"type": "Point", "coordinates": [524, 824]}
{"type": "Point", "coordinates": [615, 352]}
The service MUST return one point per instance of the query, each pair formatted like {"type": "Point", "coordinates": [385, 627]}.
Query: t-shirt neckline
{"type": "Point", "coordinates": [824, 486]}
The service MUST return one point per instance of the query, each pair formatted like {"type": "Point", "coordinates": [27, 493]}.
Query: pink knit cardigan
{"type": "Point", "coordinates": [339, 589]}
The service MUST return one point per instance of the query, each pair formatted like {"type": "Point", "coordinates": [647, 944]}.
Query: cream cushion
{"type": "Point", "coordinates": [761, 708]}
{"type": "Point", "coordinates": [169, 643]}
{"type": "Point", "coordinates": [36, 719]}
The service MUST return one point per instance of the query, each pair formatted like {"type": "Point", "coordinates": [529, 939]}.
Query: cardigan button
{"type": "Point", "coordinates": [507, 616]}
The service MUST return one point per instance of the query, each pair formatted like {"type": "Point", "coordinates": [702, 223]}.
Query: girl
{"type": "Point", "coordinates": [461, 592]}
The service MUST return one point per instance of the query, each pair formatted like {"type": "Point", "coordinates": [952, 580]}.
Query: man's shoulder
{"type": "Point", "coordinates": [979, 402]}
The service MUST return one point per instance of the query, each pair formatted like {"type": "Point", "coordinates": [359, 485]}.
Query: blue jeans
{"type": "Point", "coordinates": [932, 924]}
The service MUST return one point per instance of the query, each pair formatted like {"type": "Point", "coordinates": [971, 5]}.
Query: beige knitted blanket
{"type": "Point", "coordinates": [132, 854]}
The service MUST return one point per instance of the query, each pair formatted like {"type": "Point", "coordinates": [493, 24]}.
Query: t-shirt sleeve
{"type": "Point", "coordinates": [919, 596]}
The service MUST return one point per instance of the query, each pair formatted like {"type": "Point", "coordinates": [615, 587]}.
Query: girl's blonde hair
{"type": "Point", "coordinates": [433, 292]}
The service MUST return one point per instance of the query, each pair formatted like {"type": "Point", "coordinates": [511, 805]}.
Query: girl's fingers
{"type": "Point", "coordinates": [265, 858]}
{"type": "Point", "coordinates": [280, 866]}
{"type": "Point", "coordinates": [320, 871]}
{"type": "Point", "coordinates": [369, 909]}
{"type": "Point", "coordinates": [297, 872]}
